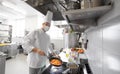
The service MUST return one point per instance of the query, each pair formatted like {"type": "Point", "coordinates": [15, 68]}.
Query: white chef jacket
{"type": "Point", "coordinates": [36, 39]}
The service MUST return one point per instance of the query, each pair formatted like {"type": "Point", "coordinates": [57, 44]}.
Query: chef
{"type": "Point", "coordinates": [36, 44]}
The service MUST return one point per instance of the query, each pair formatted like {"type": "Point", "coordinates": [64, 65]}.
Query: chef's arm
{"type": "Point", "coordinates": [28, 44]}
{"type": "Point", "coordinates": [30, 48]}
{"type": "Point", "coordinates": [35, 50]}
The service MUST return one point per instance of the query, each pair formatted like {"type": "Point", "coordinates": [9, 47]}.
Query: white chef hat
{"type": "Point", "coordinates": [48, 17]}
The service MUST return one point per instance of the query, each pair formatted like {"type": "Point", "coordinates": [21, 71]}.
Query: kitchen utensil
{"type": "Point", "coordinates": [56, 59]}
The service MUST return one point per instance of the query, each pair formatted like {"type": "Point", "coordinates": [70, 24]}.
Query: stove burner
{"type": "Point", "coordinates": [56, 70]}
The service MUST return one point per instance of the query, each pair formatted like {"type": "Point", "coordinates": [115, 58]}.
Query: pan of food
{"type": "Point", "coordinates": [55, 61]}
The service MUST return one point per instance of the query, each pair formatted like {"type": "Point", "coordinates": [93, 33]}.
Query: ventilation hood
{"type": "Point", "coordinates": [69, 10]}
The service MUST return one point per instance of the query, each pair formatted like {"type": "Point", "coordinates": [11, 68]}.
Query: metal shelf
{"type": "Point", "coordinates": [84, 17]}
{"type": "Point", "coordinates": [5, 25]}
{"type": "Point", "coordinates": [87, 13]}
{"type": "Point", "coordinates": [4, 36]}
{"type": "Point", "coordinates": [4, 30]}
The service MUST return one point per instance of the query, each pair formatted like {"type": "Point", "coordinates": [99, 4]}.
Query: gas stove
{"type": "Point", "coordinates": [55, 70]}
{"type": "Point", "coordinates": [62, 70]}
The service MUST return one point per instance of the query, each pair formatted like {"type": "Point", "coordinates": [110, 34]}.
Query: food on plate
{"type": "Point", "coordinates": [80, 51]}
{"type": "Point", "coordinates": [55, 62]}
{"type": "Point", "coordinates": [74, 49]}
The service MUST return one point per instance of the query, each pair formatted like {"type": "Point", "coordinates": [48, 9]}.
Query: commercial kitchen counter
{"type": "Point", "coordinates": [9, 48]}
{"type": "Point", "coordinates": [4, 44]}
{"type": "Point", "coordinates": [82, 62]}
{"type": "Point", "coordinates": [2, 62]}
{"type": "Point", "coordinates": [62, 70]}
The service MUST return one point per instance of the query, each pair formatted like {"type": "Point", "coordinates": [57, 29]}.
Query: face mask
{"type": "Point", "coordinates": [46, 28]}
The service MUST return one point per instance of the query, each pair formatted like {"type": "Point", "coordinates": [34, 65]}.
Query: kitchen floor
{"type": "Point", "coordinates": [17, 65]}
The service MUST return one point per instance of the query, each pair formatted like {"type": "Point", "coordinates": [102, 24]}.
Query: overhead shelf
{"type": "Point", "coordinates": [88, 13]}
{"type": "Point", "coordinates": [4, 36]}
{"type": "Point", "coordinates": [84, 17]}
{"type": "Point", "coordinates": [62, 26]}
{"type": "Point", "coordinates": [4, 30]}
{"type": "Point", "coordinates": [5, 33]}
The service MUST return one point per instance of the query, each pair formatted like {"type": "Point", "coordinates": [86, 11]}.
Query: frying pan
{"type": "Point", "coordinates": [50, 59]}
{"type": "Point", "coordinates": [53, 57]}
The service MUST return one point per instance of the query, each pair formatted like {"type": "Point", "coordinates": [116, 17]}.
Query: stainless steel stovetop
{"type": "Point", "coordinates": [62, 70]}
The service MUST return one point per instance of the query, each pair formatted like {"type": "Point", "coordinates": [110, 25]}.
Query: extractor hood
{"type": "Point", "coordinates": [71, 11]}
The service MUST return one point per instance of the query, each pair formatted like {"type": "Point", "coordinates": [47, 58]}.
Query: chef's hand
{"type": "Point", "coordinates": [42, 53]}
{"type": "Point", "coordinates": [39, 51]}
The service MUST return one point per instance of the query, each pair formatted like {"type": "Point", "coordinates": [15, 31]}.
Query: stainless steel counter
{"type": "Point", "coordinates": [62, 70]}
{"type": "Point", "coordinates": [81, 61]}
{"type": "Point", "coordinates": [9, 49]}
{"type": "Point", "coordinates": [2, 62]}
